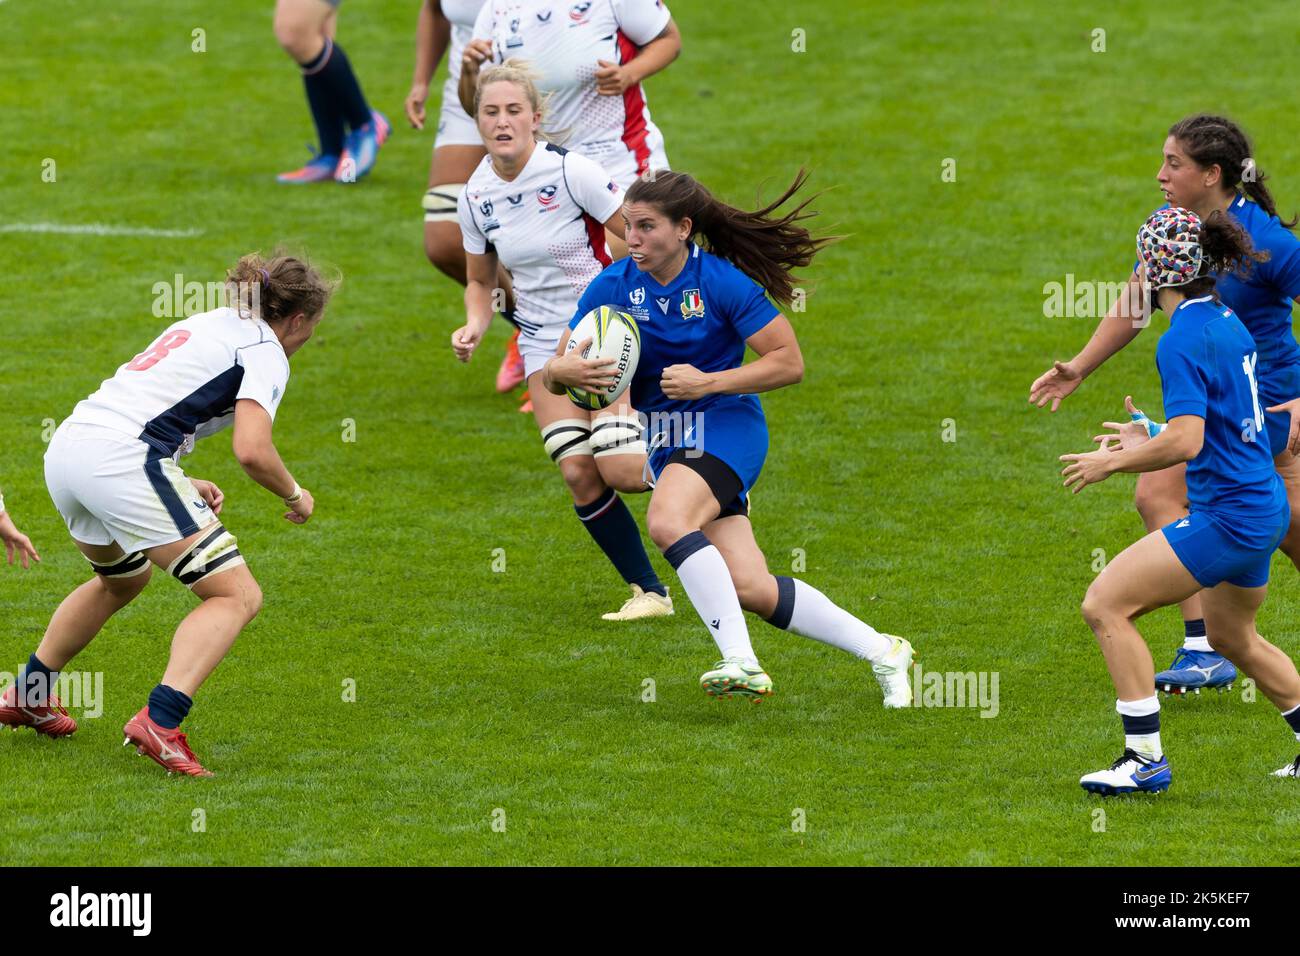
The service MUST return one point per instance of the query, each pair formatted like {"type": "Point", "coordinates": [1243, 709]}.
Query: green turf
{"type": "Point", "coordinates": [480, 690]}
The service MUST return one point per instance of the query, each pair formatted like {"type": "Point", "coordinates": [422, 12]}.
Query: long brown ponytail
{"type": "Point", "coordinates": [764, 245]}
{"type": "Point", "coordinates": [1216, 140]}
{"type": "Point", "coordinates": [1226, 249]}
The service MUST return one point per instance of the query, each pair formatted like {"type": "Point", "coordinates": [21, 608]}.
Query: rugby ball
{"type": "Point", "coordinates": [614, 335]}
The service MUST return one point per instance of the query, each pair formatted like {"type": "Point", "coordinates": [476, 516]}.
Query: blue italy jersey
{"type": "Point", "coordinates": [702, 318]}
{"type": "Point", "coordinates": [1208, 368]}
{"type": "Point", "coordinates": [1263, 297]}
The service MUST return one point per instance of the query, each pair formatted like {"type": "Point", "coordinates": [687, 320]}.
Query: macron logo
{"type": "Point", "coordinates": [134, 910]}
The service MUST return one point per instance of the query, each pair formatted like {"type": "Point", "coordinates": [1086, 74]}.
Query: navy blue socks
{"type": "Point", "coordinates": [168, 706]}
{"type": "Point", "coordinates": [334, 96]}
{"type": "Point", "coordinates": [35, 683]}
{"type": "Point", "coordinates": [612, 526]}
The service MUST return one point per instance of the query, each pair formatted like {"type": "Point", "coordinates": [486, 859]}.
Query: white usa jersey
{"type": "Point", "coordinates": [461, 14]}
{"type": "Point", "coordinates": [562, 42]}
{"type": "Point", "coordinates": [185, 385]}
{"type": "Point", "coordinates": [546, 226]}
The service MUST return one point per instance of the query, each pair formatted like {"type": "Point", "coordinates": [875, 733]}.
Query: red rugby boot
{"type": "Point", "coordinates": [51, 720]}
{"type": "Point", "coordinates": [165, 746]}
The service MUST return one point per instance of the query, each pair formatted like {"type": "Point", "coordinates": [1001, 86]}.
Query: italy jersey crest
{"type": "Point", "coordinates": [692, 304]}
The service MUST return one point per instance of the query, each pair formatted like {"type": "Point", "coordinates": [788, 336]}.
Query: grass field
{"type": "Point", "coordinates": [479, 691]}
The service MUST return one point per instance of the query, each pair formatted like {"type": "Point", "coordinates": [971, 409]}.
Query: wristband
{"type": "Point", "coordinates": [296, 497]}
{"type": "Point", "coordinates": [1153, 428]}
{"type": "Point", "coordinates": [2, 503]}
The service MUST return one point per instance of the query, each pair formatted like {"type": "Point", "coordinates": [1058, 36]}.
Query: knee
{"type": "Point", "coordinates": [1095, 610]}
{"type": "Point", "coordinates": [757, 592]}
{"type": "Point", "coordinates": [250, 599]}
{"type": "Point", "coordinates": [665, 529]}
{"type": "Point", "coordinates": [582, 477]}
{"type": "Point", "coordinates": [1231, 644]}
{"type": "Point", "coordinates": [125, 590]}
{"type": "Point", "coordinates": [297, 36]}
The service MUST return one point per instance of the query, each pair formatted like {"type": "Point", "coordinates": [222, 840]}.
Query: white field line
{"type": "Point", "coordinates": [98, 228]}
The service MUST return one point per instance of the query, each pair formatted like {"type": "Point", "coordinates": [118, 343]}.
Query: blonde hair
{"type": "Point", "coordinates": [521, 73]}
{"type": "Point", "coordinates": [275, 288]}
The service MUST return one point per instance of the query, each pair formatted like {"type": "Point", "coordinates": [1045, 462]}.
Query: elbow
{"type": "Point", "coordinates": [796, 370]}
{"type": "Point", "coordinates": [1190, 446]}
{"type": "Point", "coordinates": [248, 455]}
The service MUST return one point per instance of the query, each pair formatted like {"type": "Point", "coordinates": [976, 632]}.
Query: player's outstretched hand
{"type": "Point", "coordinates": [16, 542]}
{"type": "Point", "coordinates": [209, 493]}
{"type": "Point", "coordinates": [1129, 434]}
{"type": "Point", "coordinates": [301, 509]}
{"type": "Point", "coordinates": [684, 382]}
{"type": "Point", "coordinates": [464, 341]}
{"type": "Point", "coordinates": [415, 105]}
{"type": "Point", "coordinates": [1086, 469]}
{"type": "Point", "coordinates": [1054, 384]}
{"type": "Point", "coordinates": [574, 371]}
{"type": "Point", "coordinates": [1293, 437]}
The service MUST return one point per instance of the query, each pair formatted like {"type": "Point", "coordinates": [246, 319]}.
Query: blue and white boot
{"type": "Point", "coordinates": [1131, 773]}
{"type": "Point", "coordinates": [1194, 670]}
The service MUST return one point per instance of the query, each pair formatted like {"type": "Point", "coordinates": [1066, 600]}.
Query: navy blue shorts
{"type": "Point", "coordinates": [1217, 547]}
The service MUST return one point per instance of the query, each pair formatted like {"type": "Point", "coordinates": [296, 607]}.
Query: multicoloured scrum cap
{"type": "Point", "coordinates": [1169, 248]}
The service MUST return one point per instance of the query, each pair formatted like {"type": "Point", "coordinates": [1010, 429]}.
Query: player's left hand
{"type": "Point", "coordinates": [1087, 469]}
{"type": "Point", "coordinates": [1129, 434]}
{"type": "Point", "coordinates": [415, 105]}
{"type": "Point", "coordinates": [612, 79]}
{"type": "Point", "coordinates": [685, 382]}
{"type": "Point", "coordinates": [209, 493]}
{"type": "Point", "coordinates": [1293, 437]}
{"type": "Point", "coordinates": [16, 542]}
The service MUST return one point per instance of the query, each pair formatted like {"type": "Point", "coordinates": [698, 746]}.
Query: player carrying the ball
{"type": "Point", "coordinates": [697, 311]}
{"type": "Point", "coordinates": [113, 471]}
{"type": "Point", "coordinates": [542, 211]}
{"type": "Point", "coordinates": [1208, 366]}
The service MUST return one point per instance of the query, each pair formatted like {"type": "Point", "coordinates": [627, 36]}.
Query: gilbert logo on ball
{"type": "Point", "coordinates": [614, 335]}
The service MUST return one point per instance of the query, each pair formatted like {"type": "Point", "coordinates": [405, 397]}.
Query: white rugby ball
{"type": "Point", "coordinates": [614, 335]}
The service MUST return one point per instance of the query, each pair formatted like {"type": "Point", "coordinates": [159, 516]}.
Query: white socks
{"type": "Point", "coordinates": [1201, 643]}
{"type": "Point", "coordinates": [813, 614]}
{"type": "Point", "coordinates": [707, 581]}
{"type": "Point", "coordinates": [800, 607]}
{"type": "Point", "coordinates": [1146, 744]}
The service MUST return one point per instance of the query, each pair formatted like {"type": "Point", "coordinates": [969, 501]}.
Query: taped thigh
{"type": "Point", "coordinates": [127, 566]}
{"type": "Point", "coordinates": [618, 434]}
{"type": "Point", "coordinates": [566, 438]}
{"type": "Point", "coordinates": [440, 203]}
{"type": "Point", "coordinates": [215, 552]}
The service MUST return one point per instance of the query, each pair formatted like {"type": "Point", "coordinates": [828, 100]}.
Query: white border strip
{"type": "Point", "coordinates": [98, 228]}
